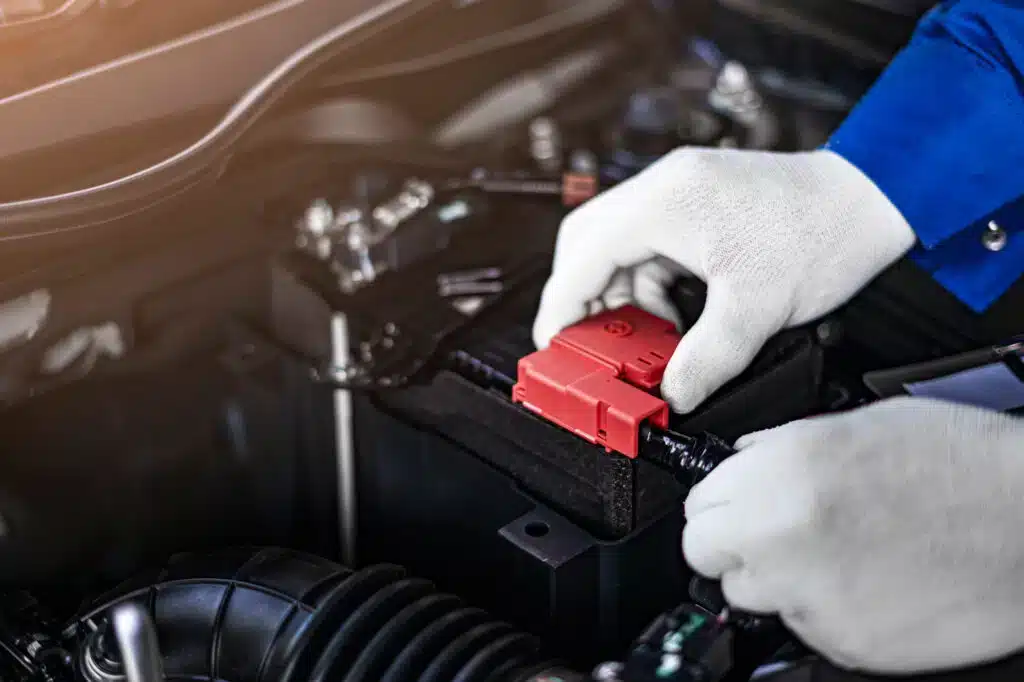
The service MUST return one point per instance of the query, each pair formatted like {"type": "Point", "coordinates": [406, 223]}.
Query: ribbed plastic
{"type": "Point", "coordinates": [274, 615]}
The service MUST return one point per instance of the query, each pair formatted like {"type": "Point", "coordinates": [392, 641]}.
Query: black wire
{"type": "Point", "coordinates": [203, 160]}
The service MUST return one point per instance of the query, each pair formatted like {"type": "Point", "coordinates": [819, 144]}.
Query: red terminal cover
{"type": "Point", "coordinates": [599, 378]}
{"type": "Point", "coordinates": [578, 188]}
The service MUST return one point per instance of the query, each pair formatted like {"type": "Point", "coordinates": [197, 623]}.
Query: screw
{"type": "Point", "coordinates": [995, 237]}
{"type": "Point", "coordinates": [828, 332]}
{"type": "Point", "coordinates": [583, 161]}
{"type": "Point", "coordinates": [543, 127]}
{"type": "Point", "coordinates": [545, 144]}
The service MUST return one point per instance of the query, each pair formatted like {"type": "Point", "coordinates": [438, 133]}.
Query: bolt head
{"type": "Point", "coordinates": [542, 127]}
{"type": "Point", "coordinates": [828, 332]}
{"type": "Point", "coordinates": [995, 238]}
{"type": "Point", "coordinates": [583, 161]}
{"type": "Point", "coordinates": [733, 78]}
{"type": "Point", "coordinates": [319, 217]}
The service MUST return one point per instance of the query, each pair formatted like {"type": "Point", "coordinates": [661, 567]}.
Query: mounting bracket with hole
{"type": "Point", "coordinates": [548, 537]}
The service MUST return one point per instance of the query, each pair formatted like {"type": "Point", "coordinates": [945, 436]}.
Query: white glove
{"type": "Point", "coordinates": [780, 239]}
{"type": "Point", "coordinates": [888, 538]}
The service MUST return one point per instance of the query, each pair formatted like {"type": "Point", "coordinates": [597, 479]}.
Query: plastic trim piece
{"type": "Point", "coordinates": [206, 68]}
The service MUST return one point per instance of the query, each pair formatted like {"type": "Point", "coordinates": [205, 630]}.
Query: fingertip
{"type": "Point", "coordinates": [742, 590]}
{"type": "Point", "coordinates": [539, 332]}
{"type": "Point", "coordinates": [553, 317]}
{"type": "Point", "coordinates": [745, 441]}
{"type": "Point", "coordinates": [753, 438]}
{"type": "Point", "coordinates": [542, 334]}
{"type": "Point", "coordinates": [685, 387]}
{"type": "Point", "coordinates": [574, 282]}
{"type": "Point", "coordinates": [705, 496]}
{"type": "Point", "coordinates": [696, 503]}
{"type": "Point", "coordinates": [558, 309]}
{"type": "Point", "coordinates": [683, 400]}
{"type": "Point", "coordinates": [540, 339]}
{"type": "Point", "coordinates": [720, 345]}
{"type": "Point", "coordinates": [705, 549]}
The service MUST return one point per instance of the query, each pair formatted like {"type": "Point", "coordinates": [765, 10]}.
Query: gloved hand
{"type": "Point", "coordinates": [779, 239]}
{"type": "Point", "coordinates": [887, 538]}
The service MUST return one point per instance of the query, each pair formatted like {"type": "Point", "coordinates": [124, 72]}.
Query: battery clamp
{"type": "Point", "coordinates": [600, 377]}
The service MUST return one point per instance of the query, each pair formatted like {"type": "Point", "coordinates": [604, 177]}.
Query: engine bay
{"type": "Point", "coordinates": [259, 371]}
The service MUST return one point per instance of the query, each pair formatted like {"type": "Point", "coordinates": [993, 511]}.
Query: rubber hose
{"type": "Point", "coordinates": [275, 615]}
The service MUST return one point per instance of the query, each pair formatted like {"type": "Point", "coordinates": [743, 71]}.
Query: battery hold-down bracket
{"type": "Point", "coordinates": [599, 378]}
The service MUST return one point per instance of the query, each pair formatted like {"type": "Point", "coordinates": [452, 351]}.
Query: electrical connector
{"type": "Point", "coordinates": [599, 378]}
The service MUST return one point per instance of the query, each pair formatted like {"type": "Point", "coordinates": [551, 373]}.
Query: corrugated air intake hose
{"type": "Point", "coordinates": [275, 615]}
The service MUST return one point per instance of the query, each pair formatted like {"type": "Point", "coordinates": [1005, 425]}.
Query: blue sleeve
{"type": "Point", "coordinates": [941, 133]}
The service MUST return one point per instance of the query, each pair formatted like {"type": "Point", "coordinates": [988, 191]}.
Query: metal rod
{"type": "Point", "coordinates": [470, 289]}
{"type": "Point", "coordinates": [475, 275]}
{"type": "Point", "coordinates": [344, 443]}
{"type": "Point", "coordinates": [136, 637]}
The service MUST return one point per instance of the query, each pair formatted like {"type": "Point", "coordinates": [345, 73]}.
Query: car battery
{"type": "Point", "coordinates": [568, 537]}
{"type": "Point", "coordinates": [470, 402]}
{"type": "Point", "coordinates": [538, 524]}
{"type": "Point", "coordinates": [463, 484]}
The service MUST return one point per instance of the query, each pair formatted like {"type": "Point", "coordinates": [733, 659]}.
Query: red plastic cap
{"type": "Point", "coordinates": [578, 188]}
{"type": "Point", "coordinates": [598, 378]}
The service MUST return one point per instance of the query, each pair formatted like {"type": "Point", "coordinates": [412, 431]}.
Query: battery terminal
{"type": "Point", "coordinates": [599, 378]}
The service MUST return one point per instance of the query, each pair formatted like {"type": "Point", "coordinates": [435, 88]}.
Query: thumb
{"type": "Point", "coordinates": [722, 343]}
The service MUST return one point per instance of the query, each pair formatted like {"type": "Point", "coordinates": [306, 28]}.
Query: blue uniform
{"type": "Point", "coordinates": [942, 134]}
